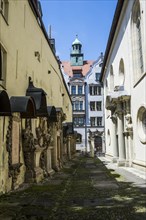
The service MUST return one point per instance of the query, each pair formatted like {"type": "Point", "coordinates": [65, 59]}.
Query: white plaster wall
{"type": "Point", "coordinates": [121, 48]}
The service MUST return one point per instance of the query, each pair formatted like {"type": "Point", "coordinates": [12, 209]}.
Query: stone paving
{"type": "Point", "coordinates": [84, 189]}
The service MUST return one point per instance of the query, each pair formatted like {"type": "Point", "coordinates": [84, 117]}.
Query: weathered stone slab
{"type": "Point", "coordinates": [105, 185]}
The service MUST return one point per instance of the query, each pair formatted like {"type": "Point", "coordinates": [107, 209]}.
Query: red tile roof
{"type": "Point", "coordinates": [68, 69]}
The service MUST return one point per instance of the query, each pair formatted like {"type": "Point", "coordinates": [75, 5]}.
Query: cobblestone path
{"type": "Point", "coordinates": [84, 190]}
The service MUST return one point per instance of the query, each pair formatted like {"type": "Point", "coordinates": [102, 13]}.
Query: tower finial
{"type": "Point", "coordinates": [76, 35]}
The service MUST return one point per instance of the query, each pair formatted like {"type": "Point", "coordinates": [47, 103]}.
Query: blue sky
{"type": "Point", "coordinates": [89, 19]}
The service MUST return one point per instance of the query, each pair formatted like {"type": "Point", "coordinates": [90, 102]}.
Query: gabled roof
{"type": "Point", "coordinates": [68, 69]}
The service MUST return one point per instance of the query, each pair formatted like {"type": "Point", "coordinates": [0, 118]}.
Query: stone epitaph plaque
{"type": "Point", "coordinates": [15, 142]}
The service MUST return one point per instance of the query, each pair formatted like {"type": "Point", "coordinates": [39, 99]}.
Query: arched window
{"type": "Point", "coordinates": [111, 78]}
{"type": "Point", "coordinates": [137, 39]}
{"type": "Point", "coordinates": [121, 73]}
{"type": "Point", "coordinates": [141, 123]}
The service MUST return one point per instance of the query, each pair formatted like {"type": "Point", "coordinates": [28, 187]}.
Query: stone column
{"type": "Point", "coordinates": [92, 147]}
{"type": "Point", "coordinates": [54, 151]}
{"type": "Point", "coordinates": [114, 139]}
{"type": "Point", "coordinates": [49, 160]}
{"type": "Point", "coordinates": [121, 143]}
{"type": "Point", "coordinates": [69, 146]}
{"type": "Point", "coordinates": [129, 133]}
{"type": "Point", "coordinates": [37, 169]}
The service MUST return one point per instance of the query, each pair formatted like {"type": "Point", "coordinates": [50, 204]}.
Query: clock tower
{"type": "Point", "coordinates": [76, 55]}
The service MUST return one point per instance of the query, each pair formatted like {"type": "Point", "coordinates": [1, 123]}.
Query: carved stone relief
{"type": "Point", "coordinates": [13, 148]}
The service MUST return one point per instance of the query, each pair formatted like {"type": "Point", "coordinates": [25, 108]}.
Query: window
{"type": "Point", "coordinates": [99, 121]}
{"type": "Point", "coordinates": [97, 76]}
{"type": "Point", "coordinates": [95, 90]}
{"type": "Point", "coordinates": [99, 90]}
{"type": "Point", "coordinates": [73, 90]}
{"type": "Point", "coordinates": [4, 8]}
{"type": "Point", "coordinates": [92, 106]}
{"type": "Point", "coordinates": [137, 39]}
{"type": "Point", "coordinates": [2, 65]}
{"type": "Point", "coordinates": [78, 105]}
{"type": "Point", "coordinates": [92, 121]}
{"type": "Point", "coordinates": [77, 74]}
{"type": "Point", "coordinates": [78, 121]}
{"type": "Point", "coordinates": [96, 121]}
{"type": "Point", "coordinates": [121, 73]}
{"type": "Point", "coordinates": [111, 78]}
{"type": "Point", "coordinates": [80, 90]}
{"type": "Point", "coordinates": [98, 106]}
{"type": "Point", "coordinates": [76, 59]}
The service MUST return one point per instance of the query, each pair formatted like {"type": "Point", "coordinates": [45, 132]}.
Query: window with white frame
{"type": "Point", "coordinates": [98, 106]}
{"type": "Point", "coordinates": [77, 105]}
{"type": "Point", "coordinates": [93, 121]}
{"type": "Point", "coordinates": [99, 121]}
{"type": "Point", "coordinates": [78, 121]}
{"type": "Point", "coordinates": [73, 90]}
{"type": "Point", "coordinates": [92, 106]}
{"type": "Point", "coordinates": [80, 90]}
{"type": "Point", "coordinates": [94, 90]}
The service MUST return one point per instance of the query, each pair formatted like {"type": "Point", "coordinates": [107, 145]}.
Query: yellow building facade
{"type": "Point", "coordinates": [35, 106]}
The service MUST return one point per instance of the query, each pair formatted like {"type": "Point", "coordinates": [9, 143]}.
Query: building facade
{"type": "Point", "coordinates": [36, 133]}
{"type": "Point", "coordinates": [94, 106]}
{"type": "Point", "coordinates": [82, 78]}
{"type": "Point", "coordinates": [124, 79]}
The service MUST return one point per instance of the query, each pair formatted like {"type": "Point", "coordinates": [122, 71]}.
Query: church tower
{"type": "Point", "coordinates": [76, 55]}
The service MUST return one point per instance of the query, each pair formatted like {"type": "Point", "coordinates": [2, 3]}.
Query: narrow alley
{"type": "Point", "coordinates": [83, 189]}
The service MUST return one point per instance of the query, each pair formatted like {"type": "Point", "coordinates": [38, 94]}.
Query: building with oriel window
{"type": "Point", "coordinates": [82, 79]}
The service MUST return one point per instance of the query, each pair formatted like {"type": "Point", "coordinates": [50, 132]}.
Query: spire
{"type": "Point", "coordinates": [76, 41]}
